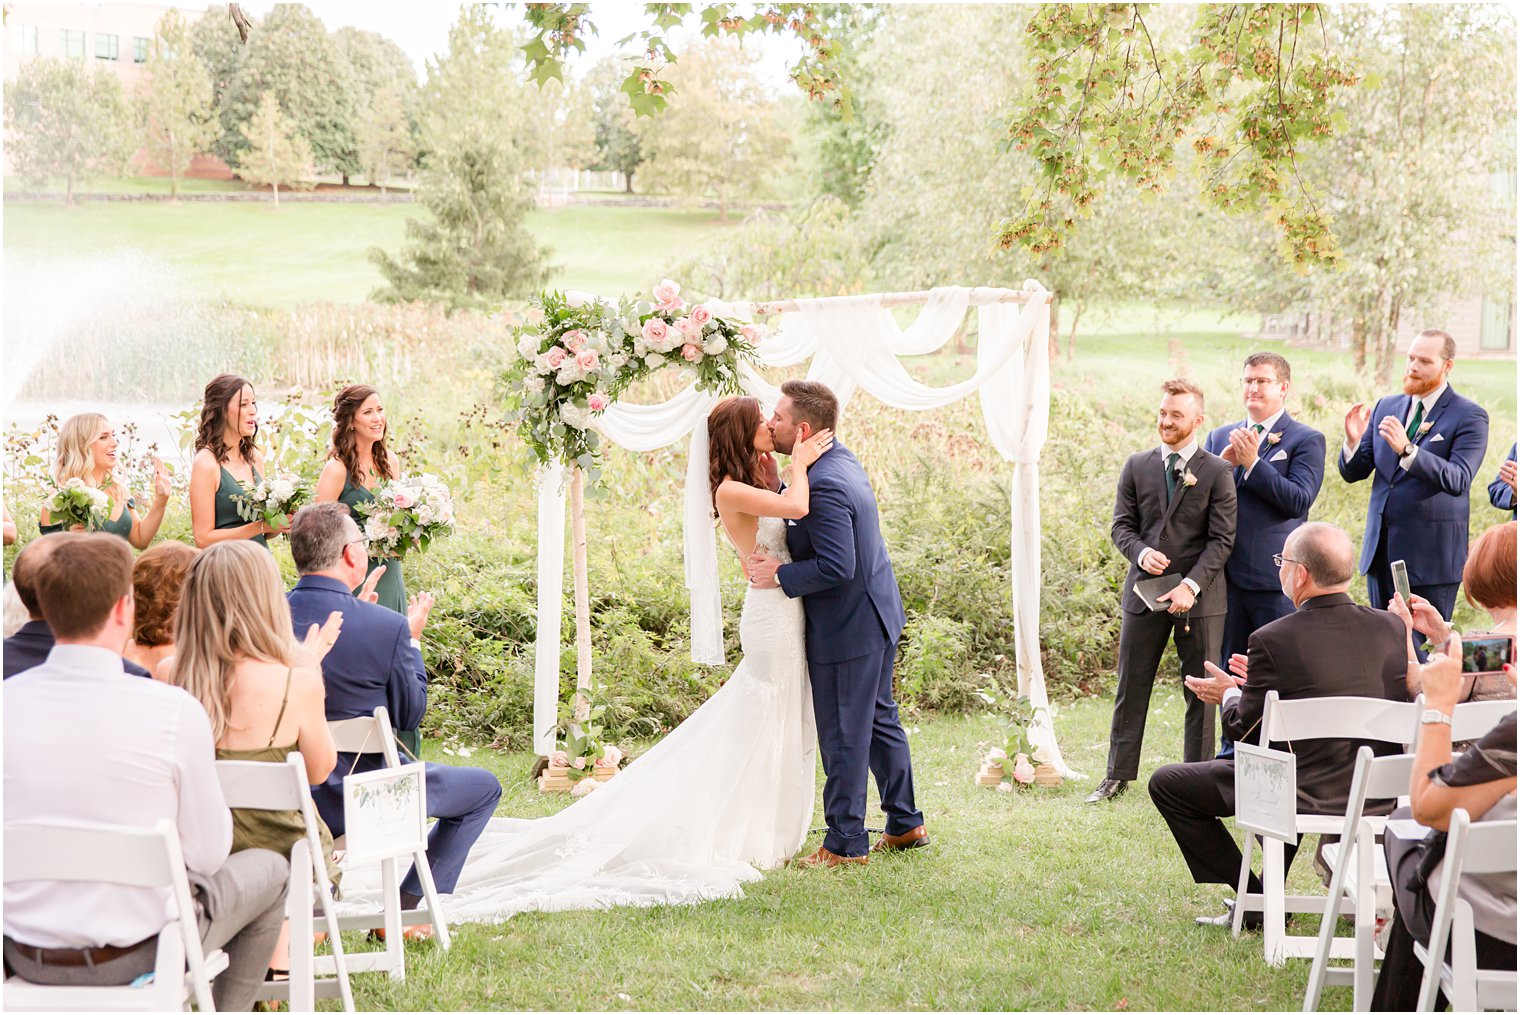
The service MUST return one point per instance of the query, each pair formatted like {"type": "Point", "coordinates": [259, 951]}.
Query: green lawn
{"type": "Point", "coordinates": [301, 253]}
{"type": "Point", "coordinates": [1025, 901]}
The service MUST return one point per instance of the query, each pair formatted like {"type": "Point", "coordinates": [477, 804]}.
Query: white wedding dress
{"type": "Point", "coordinates": [723, 796]}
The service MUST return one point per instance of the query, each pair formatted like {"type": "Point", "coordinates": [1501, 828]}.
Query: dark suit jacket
{"type": "Point", "coordinates": [372, 663]}
{"type": "Point", "coordinates": [1196, 530]}
{"type": "Point", "coordinates": [1424, 510]}
{"type": "Point", "coordinates": [1329, 647]}
{"type": "Point", "coordinates": [840, 564]}
{"type": "Point", "coordinates": [30, 646]}
{"type": "Point", "coordinates": [1273, 500]}
{"type": "Point", "coordinates": [1499, 493]}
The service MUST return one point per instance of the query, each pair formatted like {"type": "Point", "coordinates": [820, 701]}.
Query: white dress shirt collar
{"type": "Point", "coordinates": [1185, 453]}
{"type": "Point", "coordinates": [1268, 423]}
{"type": "Point", "coordinates": [85, 660]}
{"type": "Point", "coordinates": [1428, 400]}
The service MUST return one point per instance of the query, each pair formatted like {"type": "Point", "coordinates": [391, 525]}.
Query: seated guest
{"type": "Point", "coordinates": [14, 611]}
{"type": "Point", "coordinates": [1327, 647]}
{"type": "Point", "coordinates": [1481, 782]}
{"type": "Point", "coordinates": [236, 653]}
{"type": "Point", "coordinates": [32, 642]}
{"type": "Point", "coordinates": [126, 754]}
{"type": "Point", "coordinates": [87, 451]}
{"type": "Point", "coordinates": [1488, 581]}
{"type": "Point", "coordinates": [156, 580]}
{"type": "Point", "coordinates": [378, 661]}
{"type": "Point", "coordinates": [1501, 492]}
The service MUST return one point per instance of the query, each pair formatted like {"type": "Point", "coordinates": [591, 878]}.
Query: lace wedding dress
{"type": "Point", "coordinates": [726, 794]}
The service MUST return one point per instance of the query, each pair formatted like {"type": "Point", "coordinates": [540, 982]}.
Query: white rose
{"type": "Point", "coordinates": [639, 348]}
{"type": "Point", "coordinates": [281, 490]}
{"type": "Point", "coordinates": [654, 360]}
{"type": "Point", "coordinates": [577, 416]}
{"type": "Point", "coordinates": [527, 346]}
{"type": "Point", "coordinates": [375, 527]}
{"type": "Point", "coordinates": [424, 515]}
{"type": "Point", "coordinates": [98, 497]}
{"type": "Point", "coordinates": [715, 345]}
{"type": "Point", "coordinates": [74, 484]}
{"type": "Point", "coordinates": [570, 373]}
{"type": "Point", "coordinates": [533, 383]}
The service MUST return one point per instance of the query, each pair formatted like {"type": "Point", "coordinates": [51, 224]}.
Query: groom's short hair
{"type": "Point", "coordinates": [812, 401]}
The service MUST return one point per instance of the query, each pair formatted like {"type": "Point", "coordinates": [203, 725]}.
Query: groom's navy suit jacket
{"type": "Point", "coordinates": [840, 564]}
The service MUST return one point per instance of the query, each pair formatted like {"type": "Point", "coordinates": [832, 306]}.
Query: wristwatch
{"type": "Point", "coordinates": [1433, 716]}
{"type": "Point", "coordinates": [1408, 450]}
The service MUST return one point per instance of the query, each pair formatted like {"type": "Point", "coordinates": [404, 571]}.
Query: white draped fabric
{"type": "Point", "coordinates": [849, 343]}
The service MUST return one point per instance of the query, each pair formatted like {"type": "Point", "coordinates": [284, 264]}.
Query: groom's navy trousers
{"type": "Point", "coordinates": [855, 617]}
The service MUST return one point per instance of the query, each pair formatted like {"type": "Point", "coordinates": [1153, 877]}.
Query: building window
{"type": "Point", "coordinates": [73, 43]}
{"type": "Point", "coordinates": [107, 47]}
{"type": "Point", "coordinates": [139, 50]}
{"type": "Point", "coordinates": [24, 40]}
{"type": "Point", "coordinates": [1497, 330]}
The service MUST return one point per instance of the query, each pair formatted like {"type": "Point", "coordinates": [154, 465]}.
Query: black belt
{"type": "Point", "coordinates": [78, 956]}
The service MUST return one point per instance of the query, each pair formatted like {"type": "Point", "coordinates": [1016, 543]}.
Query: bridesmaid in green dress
{"type": "Point", "coordinates": [226, 463]}
{"type": "Point", "coordinates": [87, 449]}
{"type": "Point", "coordinates": [358, 463]}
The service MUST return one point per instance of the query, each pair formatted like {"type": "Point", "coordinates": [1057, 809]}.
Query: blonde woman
{"type": "Point", "coordinates": [87, 449]}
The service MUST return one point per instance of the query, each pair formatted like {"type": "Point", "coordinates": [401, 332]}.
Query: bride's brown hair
{"type": "Point", "coordinates": [731, 450]}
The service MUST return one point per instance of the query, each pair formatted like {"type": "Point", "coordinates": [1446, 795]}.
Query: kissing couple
{"type": "Point", "coordinates": [730, 791]}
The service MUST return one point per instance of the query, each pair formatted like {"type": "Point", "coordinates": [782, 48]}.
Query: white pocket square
{"type": "Point", "coordinates": [791, 521]}
{"type": "Point", "coordinates": [1437, 437]}
{"type": "Point", "coordinates": [1281, 456]}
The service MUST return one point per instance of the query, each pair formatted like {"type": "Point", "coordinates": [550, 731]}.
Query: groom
{"type": "Point", "coordinates": [854, 618]}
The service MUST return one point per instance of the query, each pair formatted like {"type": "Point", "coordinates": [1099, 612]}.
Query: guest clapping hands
{"type": "Point", "coordinates": [226, 464]}
{"type": "Point", "coordinates": [87, 450]}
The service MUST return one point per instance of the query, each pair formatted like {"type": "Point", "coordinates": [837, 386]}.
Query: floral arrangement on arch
{"type": "Point", "coordinates": [576, 357]}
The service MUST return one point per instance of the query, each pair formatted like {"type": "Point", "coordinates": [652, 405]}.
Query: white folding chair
{"type": "Point", "coordinates": [137, 857]}
{"type": "Point", "coordinates": [259, 785]}
{"type": "Point", "coordinates": [1360, 873]}
{"type": "Point", "coordinates": [1484, 847]}
{"type": "Point", "coordinates": [1471, 719]}
{"type": "Point", "coordinates": [372, 734]}
{"type": "Point", "coordinates": [1297, 720]}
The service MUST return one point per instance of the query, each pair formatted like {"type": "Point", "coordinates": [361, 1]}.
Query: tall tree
{"type": "Point", "coordinates": [215, 42]}
{"type": "Point", "coordinates": [474, 249]}
{"type": "Point", "coordinates": [846, 136]}
{"type": "Point", "coordinates": [724, 139]}
{"type": "Point", "coordinates": [276, 153]}
{"type": "Point", "coordinates": [291, 54]}
{"type": "Point", "coordinates": [66, 120]}
{"type": "Point", "coordinates": [612, 121]}
{"type": "Point", "coordinates": [380, 66]}
{"type": "Point", "coordinates": [175, 100]}
{"type": "Point", "coordinates": [385, 138]}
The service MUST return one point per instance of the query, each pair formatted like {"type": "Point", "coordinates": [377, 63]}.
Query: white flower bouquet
{"type": "Point", "coordinates": [407, 514]}
{"type": "Point", "coordinates": [78, 503]}
{"type": "Point", "coordinates": [272, 501]}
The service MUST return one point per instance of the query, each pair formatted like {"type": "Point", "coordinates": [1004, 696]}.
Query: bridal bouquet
{"type": "Point", "coordinates": [272, 501]}
{"type": "Point", "coordinates": [576, 356]}
{"type": "Point", "coordinates": [78, 503]}
{"type": "Point", "coordinates": [407, 514]}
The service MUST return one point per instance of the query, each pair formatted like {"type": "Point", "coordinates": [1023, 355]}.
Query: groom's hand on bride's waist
{"type": "Point", "coordinates": [762, 571]}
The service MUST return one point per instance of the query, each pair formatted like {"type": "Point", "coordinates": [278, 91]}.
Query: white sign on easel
{"type": "Point", "coordinates": [1266, 792]}
{"type": "Point", "coordinates": [385, 812]}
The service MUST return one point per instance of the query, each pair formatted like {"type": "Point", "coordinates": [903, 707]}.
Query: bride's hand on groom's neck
{"type": "Point", "coordinates": [770, 470]}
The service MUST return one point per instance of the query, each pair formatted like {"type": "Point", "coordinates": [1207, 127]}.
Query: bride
{"type": "Point", "coordinates": [726, 794]}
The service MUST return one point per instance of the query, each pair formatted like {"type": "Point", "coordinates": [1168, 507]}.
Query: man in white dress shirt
{"type": "Point", "coordinates": [88, 746]}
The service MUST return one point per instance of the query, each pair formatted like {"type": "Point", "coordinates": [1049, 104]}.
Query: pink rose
{"type": "Point", "coordinates": [655, 331]}
{"type": "Point", "coordinates": [700, 314]}
{"type": "Point", "coordinates": [691, 353]}
{"type": "Point", "coordinates": [752, 333]}
{"type": "Point", "coordinates": [578, 763]}
{"type": "Point", "coordinates": [574, 340]}
{"type": "Point", "coordinates": [559, 759]}
{"type": "Point", "coordinates": [584, 787]}
{"type": "Point", "coordinates": [1023, 771]}
{"type": "Point", "coordinates": [586, 359]}
{"type": "Point", "coordinates": [556, 357]}
{"type": "Point", "coordinates": [611, 756]}
{"type": "Point", "coordinates": [687, 327]}
{"type": "Point", "coordinates": [668, 295]}
{"type": "Point", "coordinates": [403, 500]}
{"type": "Point", "coordinates": [996, 754]}
{"type": "Point", "coordinates": [597, 402]}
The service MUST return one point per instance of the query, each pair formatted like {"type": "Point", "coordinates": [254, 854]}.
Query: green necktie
{"type": "Point", "coordinates": [1414, 424]}
{"type": "Point", "coordinates": [1258, 428]}
{"type": "Point", "coordinates": [1171, 475]}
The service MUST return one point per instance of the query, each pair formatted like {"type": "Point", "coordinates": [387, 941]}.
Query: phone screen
{"type": "Point", "coordinates": [1486, 653]}
{"type": "Point", "coordinates": [1401, 579]}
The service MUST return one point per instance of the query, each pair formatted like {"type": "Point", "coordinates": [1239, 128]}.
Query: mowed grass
{"type": "Point", "coordinates": [1032, 900]}
{"type": "Point", "coordinates": [255, 255]}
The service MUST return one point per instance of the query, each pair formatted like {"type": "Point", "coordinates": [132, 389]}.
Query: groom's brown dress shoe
{"type": "Point", "coordinates": [824, 858]}
{"type": "Point", "coordinates": [913, 838]}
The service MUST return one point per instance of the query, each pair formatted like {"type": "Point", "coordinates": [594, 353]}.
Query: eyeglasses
{"type": "Point", "coordinates": [1280, 560]}
{"type": "Point", "coordinates": [1257, 382]}
{"type": "Point", "coordinates": [361, 541]}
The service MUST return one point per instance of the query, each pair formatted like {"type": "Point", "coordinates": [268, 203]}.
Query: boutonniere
{"type": "Point", "coordinates": [1273, 438]}
{"type": "Point", "coordinates": [1424, 428]}
{"type": "Point", "coordinates": [1188, 479]}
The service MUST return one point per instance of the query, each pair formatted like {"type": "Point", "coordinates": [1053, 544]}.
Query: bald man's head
{"type": "Point", "coordinates": [1325, 552]}
{"type": "Point", "coordinates": [31, 555]}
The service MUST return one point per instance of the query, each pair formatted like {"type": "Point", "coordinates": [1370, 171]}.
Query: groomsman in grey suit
{"type": "Point", "coordinates": [1174, 515]}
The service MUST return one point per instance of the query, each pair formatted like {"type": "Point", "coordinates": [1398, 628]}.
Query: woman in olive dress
{"type": "Point", "coordinates": [226, 464]}
{"type": "Point", "coordinates": [87, 449]}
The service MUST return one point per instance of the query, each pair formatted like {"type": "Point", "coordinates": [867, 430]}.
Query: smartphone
{"type": "Point", "coordinates": [1400, 580]}
{"type": "Point", "coordinates": [1487, 653]}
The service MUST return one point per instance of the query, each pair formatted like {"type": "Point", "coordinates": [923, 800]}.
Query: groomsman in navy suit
{"type": "Point", "coordinates": [1501, 492]}
{"type": "Point", "coordinates": [1422, 449]}
{"type": "Point", "coordinates": [1279, 465]}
